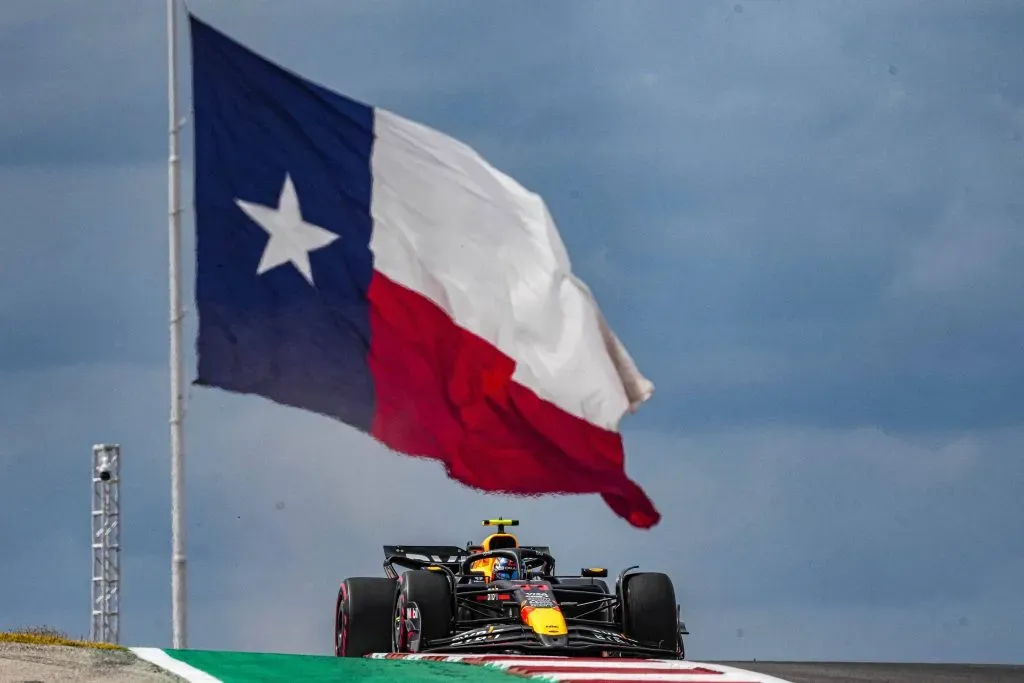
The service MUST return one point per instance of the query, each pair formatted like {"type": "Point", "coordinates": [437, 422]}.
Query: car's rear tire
{"type": "Point", "coordinates": [432, 594]}
{"type": "Point", "coordinates": [362, 616]}
{"type": "Point", "coordinates": [649, 609]}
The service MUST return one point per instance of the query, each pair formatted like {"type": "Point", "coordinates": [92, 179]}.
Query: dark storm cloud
{"type": "Point", "coordinates": [802, 218]}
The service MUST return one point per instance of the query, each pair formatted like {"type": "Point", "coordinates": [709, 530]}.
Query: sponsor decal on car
{"type": "Point", "coordinates": [482, 635]}
{"type": "Point", "coordinates": [610, 637]}
{"type": "Point", "coordinates": [439, 559]}
{"type": "Point", "coordinates": [538, 599]}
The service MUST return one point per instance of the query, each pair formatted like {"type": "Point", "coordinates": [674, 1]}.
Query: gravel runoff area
{"type": "Point", "coordinates": [24, 663]}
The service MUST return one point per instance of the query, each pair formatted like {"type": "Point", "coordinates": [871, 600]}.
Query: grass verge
{"type": "Point", "coordinates": [43, 635]}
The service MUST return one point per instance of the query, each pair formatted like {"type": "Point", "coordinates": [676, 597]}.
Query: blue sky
{"type": "Point", "coordinates": [803, 218]}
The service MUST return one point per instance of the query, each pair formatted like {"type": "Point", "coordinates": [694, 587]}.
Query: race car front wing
{"type": "Point", "coordinates": [520, 639]}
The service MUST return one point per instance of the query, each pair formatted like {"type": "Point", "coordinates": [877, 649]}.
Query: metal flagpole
{"type": "Point", "coordinates": [178, 584]}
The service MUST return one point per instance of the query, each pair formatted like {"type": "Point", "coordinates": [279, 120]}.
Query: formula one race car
{"type": "Point", "coordinates": [503, 598]}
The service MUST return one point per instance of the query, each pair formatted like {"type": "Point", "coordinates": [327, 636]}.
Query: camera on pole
{"type": "Point", "coordinates": [106, 544]}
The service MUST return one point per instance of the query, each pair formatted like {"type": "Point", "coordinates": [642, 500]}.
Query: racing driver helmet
{"type": "Point", "coordinates": [504, 569]}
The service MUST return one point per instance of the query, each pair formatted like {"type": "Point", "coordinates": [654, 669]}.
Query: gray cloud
{"type": "Point", "coordinates": [84, 265]}
{"type": "Point", "coordinates": [802, 218]}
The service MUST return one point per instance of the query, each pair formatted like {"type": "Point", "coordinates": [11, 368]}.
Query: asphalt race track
{"type": "Point", "coordinates": [36, 663]}
{"type": "Point", "coordinates": [811, 672]}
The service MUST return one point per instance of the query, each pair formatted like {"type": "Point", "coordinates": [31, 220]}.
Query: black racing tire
{"type": "Point", "coordinates": [649, 609]}
{"type": "Point", "coordinates": [432, 593]}
{"type": "Point", "coordinates": [362, 616]}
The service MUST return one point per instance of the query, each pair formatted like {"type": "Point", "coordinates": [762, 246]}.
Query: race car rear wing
{"type": "Point", "coordinates": [446, 555]}
{"type": "Point", "coordinates": [449, 556]}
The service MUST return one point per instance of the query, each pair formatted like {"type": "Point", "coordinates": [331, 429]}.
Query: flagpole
{"type": "Point", "coordinates": [174, 266]}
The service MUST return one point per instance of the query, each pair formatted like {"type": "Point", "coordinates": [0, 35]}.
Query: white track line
{"type": "Point", "coordinates": [652, 664]}
{"type": "Point", "coordinates": [653, 675]}
{"type": "Point", "coordinates": [656, 677]}
{"type": "Point", "coordinates": [604, 669]}
{"type": "Point", "coordinates": [762, 678]}
{"type": "Point", "coordinates": [177, 667]}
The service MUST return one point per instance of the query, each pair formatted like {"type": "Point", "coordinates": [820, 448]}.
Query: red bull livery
{"type": "Point", "coordinates": [501, 597]}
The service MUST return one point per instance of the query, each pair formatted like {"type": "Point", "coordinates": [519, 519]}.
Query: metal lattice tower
{"type": "Point", "coordinates": [106, 543]}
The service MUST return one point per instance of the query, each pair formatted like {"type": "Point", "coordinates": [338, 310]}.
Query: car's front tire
{"type": "Point", "coordinates": [432, 594]}
{"type": "Point", "coordinates": [649, 609]}
{"type": "Point", "coordinates": [362, 616]}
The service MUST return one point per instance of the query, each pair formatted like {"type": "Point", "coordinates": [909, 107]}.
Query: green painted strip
{"type": "Point", "coordinates": [245, 667]}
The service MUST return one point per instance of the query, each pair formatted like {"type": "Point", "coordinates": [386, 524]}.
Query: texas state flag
{"type": "Point", "coordinates": [363, 266]}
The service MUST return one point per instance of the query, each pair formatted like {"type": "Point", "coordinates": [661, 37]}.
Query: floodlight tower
{"type": "Point", "coordinates": [106, 543]}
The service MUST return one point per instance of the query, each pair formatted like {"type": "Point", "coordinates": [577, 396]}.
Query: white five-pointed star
{"type": "Point", "coordinates": [291, 238]}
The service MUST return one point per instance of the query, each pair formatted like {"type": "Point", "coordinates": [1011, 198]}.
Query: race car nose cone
{"type": "Point", "coordinates": [554, 641]}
